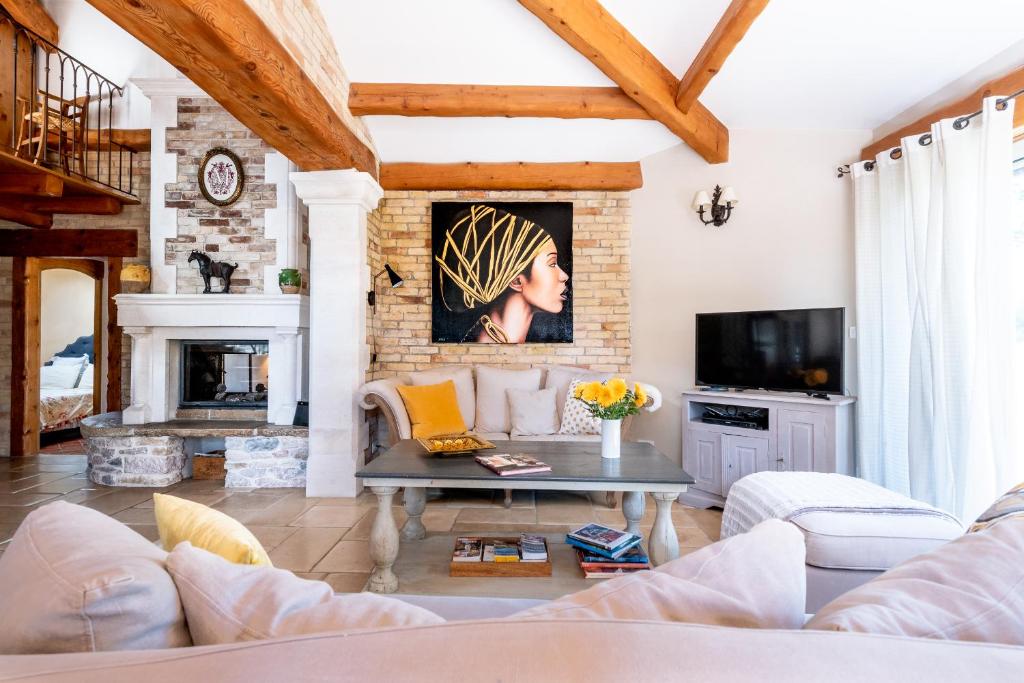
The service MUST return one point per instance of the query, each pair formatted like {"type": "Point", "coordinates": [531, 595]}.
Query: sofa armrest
{"type": "Point", "coordinates": [383, 395]}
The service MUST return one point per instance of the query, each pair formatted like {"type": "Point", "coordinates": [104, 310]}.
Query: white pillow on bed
{"type": "Point", "coordinates": [69, 360]}
{"type": "Point", "coordinates": [59, 376]}
{"type": "Point", "coordinates": [87, 376]}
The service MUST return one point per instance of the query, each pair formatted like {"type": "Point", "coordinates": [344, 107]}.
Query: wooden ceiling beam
{"type": "Point", "coordinates": [417, 99]}
{"type": "Point", "coordinates": [38, 184]}
{"type": "Point", "coordinates": [735, 21]}
{"type": "Point", "coordinates": [584, 175]}
{"type": "Point", "coordinates": [225, 48]}
{"type": "Point", "coordinates": [78, 204]}
{"type": "Point", "coordinates": [135, 139]}
{"type": "Point", "coordinates": [71, 242]}
{"type": "Point", "coordinates": [32, 14]}
{"type": "Point", "coordinates": [19, 215]}
{"type": "Point", "coordinates": [589, 28]}
{"type": "Point", "coordinates": [1004, 85]}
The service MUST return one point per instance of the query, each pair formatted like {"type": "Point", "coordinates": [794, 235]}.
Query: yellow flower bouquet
{"type": "Point", "coordinates": [612, 400]}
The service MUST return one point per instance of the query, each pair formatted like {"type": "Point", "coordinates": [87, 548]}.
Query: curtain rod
{"type": "Point", "coordinates": [959, 123]}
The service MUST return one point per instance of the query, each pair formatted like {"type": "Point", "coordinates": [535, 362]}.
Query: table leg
{"type": "Point", "coordinates": [633, 510]}
{"type": "Point", "coordinates": [415, 501]}
{"type": "Point", "coordinates": [383, 542]}
{"type": "Point", "coordinates": [664, 544]}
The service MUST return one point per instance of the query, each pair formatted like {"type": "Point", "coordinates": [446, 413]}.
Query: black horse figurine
{"type": "Point", "coordinates": [209, 268]}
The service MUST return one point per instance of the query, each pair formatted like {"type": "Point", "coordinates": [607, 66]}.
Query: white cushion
{"type": "Point", "coordinates": [70, 360]}
{"type": "Point", "coordinates": [462, 378]}
{"type": "Point", "coordinates": [968, 589]}
{"type": "Point", "coordinates": [492, 413]}
{"type": "Point", "coordinates": [59, 376]}
{"type": "Point", "coordinates": [532, 412]}
{"type": "Point", "coordinates": [858, 540]}
{"type": "Point", "coordinates": [88, 375]}
{"type": "Point", "coordinates": [75, 580]}
{"type": "Point", "coordinates": [228, 603]}
{"type": "Point", "coordinates": [753, 580]}
{"type": "Point", "coordinates": [576, 417]}
{"type": "Point", "coordinates": [561, 376]}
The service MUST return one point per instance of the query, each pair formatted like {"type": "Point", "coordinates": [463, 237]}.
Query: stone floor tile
{"type": "Point", "coordinates": [348, 582]}
{"type": "Point", "coordinates": [14, 515]}
{"type": "Point", "coordinates": [61, 486]}
{"type": "Point", "coordinates": [493, 515]}
{"type": "Point", "coordinates": [282, 513]}
{"type": "Point", "coordinates": [118, 499]}
{"type": "Point", "coordinates": [336, 515]}
{"type": "Point", "coordinates": [311, 576]}
{"type": "Point", "coordinates": [136, 516]}
{"type": "Point", "coordinates": [7, 531]}
{"type": "Point", "coordinates": [24, 499]}
{"type": "Point", "coordinates": [439, 519]}
{"type": "Point", "coordinates": [90, 492]}
{"type": "Point", "coordinates": [565, 513]}
{"type": "Point", "coordinates": [149, 531]}
{"type": "Point", "coordinates": [271, 536]}
{"type": "Point", "coordinates": [361, 531]}
{"type": "Point", "coordinates": [208, 499]}
{"type": "Point", "coordinates": [364, 499]}
{"type": "Point", "coordinates": [304, 548]}
{"type": "Point", "coordinates": [346, 556]}
{"type": "Point", "coordinates": [248, 501]}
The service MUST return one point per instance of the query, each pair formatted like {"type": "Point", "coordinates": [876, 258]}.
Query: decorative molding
{"type": "Point", "coordinates": [338, 187]}
{"type": "Point", "coordinates": [167, 87]}
{"type": "Point", "coordinates": [254, 311]}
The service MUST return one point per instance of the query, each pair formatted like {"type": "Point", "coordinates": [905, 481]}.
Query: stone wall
{"type": "Point", "coordinates": [265, 461]}
{"type": "Point", "coordinates": [136, 460]}
{"type": "Point", "coordinates": [232, 233]}
{"type": "Point", "coordinates": [399, 233]}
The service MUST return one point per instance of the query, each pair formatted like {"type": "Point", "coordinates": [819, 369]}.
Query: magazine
{"type": "Point", "coordinates": [501, 552]}
{"type": "Point", "coordinates": [505, 464]}
{"type": "Point", "coordinates": [533, 548]}
{"type": "Point", "coordinates": [601, 536]}
{"type": "Point", "coordinates": [610, 554]}
{"type": "Point", "coordinates": [468, 549]}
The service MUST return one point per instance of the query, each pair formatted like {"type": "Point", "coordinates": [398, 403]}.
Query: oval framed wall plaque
{"type": "Point", "coordinates": [221, 176]}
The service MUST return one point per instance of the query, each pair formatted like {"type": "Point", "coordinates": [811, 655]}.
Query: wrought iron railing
{"type": "Point", "coordinates": [61, 112]}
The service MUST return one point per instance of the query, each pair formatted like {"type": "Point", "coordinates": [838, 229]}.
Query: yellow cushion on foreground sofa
{"type": "Point", "coordinates": [433, 409]}
{"type": "Point", "coordinates": [180, 520]}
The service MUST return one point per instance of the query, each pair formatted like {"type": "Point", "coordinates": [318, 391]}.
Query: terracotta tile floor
{"type": "Point", "coordinates": [327, 538]}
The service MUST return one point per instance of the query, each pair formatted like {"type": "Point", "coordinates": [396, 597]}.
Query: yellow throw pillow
{"type": "Point", "coordinates": [180, 520]}
{"type": "Point", "coordinates": [433, 409]}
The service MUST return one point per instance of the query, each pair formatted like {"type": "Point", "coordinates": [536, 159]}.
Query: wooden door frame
{"type": "Point", "coordinates": [25, 357]}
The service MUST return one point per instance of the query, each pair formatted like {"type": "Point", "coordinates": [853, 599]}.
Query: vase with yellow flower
{"type": "Point", "coordinates": [611, 402]}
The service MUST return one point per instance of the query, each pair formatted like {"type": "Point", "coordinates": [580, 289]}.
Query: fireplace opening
{"type": "Point", "coordinates": [224, 374]}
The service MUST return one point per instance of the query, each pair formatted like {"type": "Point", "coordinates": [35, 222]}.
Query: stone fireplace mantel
{"type": "Point", "coordinates": [156, 321]}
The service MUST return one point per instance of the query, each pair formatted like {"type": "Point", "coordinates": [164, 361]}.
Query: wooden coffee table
{"type": "Point", "coordinates": [575, 466]}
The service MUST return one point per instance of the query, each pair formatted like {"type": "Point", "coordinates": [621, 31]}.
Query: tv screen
{"type": "Point", "coordinates": [797, 350]}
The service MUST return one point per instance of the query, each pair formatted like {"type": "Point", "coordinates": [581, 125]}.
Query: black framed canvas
{"type": "Point", "coordinates": [501, 272]}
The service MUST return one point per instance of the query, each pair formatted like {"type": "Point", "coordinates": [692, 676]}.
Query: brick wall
{"type": "Point", "coordinates": [399, 233]}
{"type": "Point", "coordinates": [232, 233]}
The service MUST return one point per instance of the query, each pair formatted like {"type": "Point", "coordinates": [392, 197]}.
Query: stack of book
{"type": "Point", "coordinates": [506, 464]}
{"type": "Point", "coordinates": [602, 551]}
{"type": "Point", "coordinates": [527, 548]}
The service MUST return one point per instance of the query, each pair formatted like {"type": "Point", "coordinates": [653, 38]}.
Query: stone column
{"type": "Point", "coordinates": [338, 202]}
{"type": "Point", "coordinates": [142, 376]}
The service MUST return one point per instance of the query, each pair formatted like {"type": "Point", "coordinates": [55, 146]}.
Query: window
{"type": "Point", "coordinates": [1018, 254]}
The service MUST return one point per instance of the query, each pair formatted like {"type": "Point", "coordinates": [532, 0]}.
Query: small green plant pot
{"type": "Point", "coordinates": [290, 281]}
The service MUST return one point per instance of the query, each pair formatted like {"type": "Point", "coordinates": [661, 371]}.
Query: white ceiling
{"type": "Point", "coordinates": [821, 64]}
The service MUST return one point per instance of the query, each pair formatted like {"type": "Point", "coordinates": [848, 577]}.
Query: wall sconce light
{"type": "Point", "coordinates": [721, 203]}
{"type": "Point", "coordinates": [396, 281]}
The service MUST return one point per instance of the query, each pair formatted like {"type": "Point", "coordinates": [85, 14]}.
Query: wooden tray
{"type": "Point", "coordinates": [501, 568]}
{"type": "Point", "coordinates": [455, 443]}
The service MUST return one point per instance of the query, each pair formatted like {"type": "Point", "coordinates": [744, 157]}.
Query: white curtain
{"type": "Point", "coordinates": [935, 315]}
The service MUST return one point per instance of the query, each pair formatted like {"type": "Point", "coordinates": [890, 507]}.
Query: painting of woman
{"type": "Point", "coordinates": [502, 272]}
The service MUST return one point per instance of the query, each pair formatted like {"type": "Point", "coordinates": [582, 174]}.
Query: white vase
{"type": "Point", "coordinates": [611, 438]}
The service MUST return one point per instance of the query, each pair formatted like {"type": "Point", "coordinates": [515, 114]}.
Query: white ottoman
{"type": "Point", "coordinates": [854, 530]}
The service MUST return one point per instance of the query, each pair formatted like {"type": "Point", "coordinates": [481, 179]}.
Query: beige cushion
{"type": "Point", "coordinates": [576, 417]}
{"type": "Point", "coordinates": [754, 580]}
{"type": "Point", "coordinates": [532, 412]}
{"type": "Point", "coordinates": [75, 580]}
{"type": "Point", "coordinates": [492, 414]}
{"type": "Point", "coordinates": [857, 540]}
{"type": "Point", "coordinates": [558, 437]}
{"type": "Point", "coordinates": [493, 436]}
{"type": "Point", "coordinates": [462, 377]}
{"type": "Point", "coordinates": [560, 377]}
{"type": "Point", "coordinates": [228, 603]}
{"type": "Point", "coordinates": [969, 589]}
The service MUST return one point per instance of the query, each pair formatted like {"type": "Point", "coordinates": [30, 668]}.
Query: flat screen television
{"type": "Point", "coordinates": [795, 350]}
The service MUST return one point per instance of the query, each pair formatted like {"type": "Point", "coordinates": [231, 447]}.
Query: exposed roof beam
{"type": "Point", "coordinates": [584, 175]}
{"type": "Point", "coordinates": [226, 49]}
{"type": "Point", "coordinates": [589, 28]}
{"type": "Point", "coordinates": [32, 14]}
{"type": "Point", "coordinates": [731, 28]}
{"type": "Point", "coordinates": [26, 183]}
{"type": "Point", "coordinates": [20, 215]}
{"type": "Point", "coordinates": [1004, 85]}
{"type": "Point", "coordinates": [79, 204]}
{"type": "Point", "coordinates": [137, 139]}
{"type": "Point", "coordinates": [70, 242]}
{"type": "Point", "coordinates": [416, 99]}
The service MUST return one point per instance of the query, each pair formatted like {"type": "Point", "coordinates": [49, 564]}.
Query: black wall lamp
{"type": "Point", "coordinates": [720, 203]}
{"type": "Point", "coordinates": [396, 281]}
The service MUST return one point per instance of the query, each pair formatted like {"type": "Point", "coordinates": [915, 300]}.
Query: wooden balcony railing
{"type": "Point", "coordinates": [57, 112]}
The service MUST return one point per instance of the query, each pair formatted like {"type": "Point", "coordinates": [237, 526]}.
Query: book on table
{"type": "Point", "coordinates": [633, 557]}
{"type": "Point", "coordinates": [601, 536]}
{"type": "Point", "coordinates": [533, 548]}
{"type": "Point", "coordinates": [602, 552]}
{"type": "Point", "coordinates": [609, 572]}
{"type": "Point", "coordinates": [468, 549]}
{"type": "Point", "coordinates": [505, 464]}
{"type": "Point", "coordinates": [501, 552]}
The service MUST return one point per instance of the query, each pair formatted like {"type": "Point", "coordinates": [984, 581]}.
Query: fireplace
{"type": "Point", "coordinates": [224, 374]}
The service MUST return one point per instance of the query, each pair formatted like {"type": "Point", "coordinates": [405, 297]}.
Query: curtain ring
{"type": "Point", "coordinates": [1001, 104]}
{"type": "Point", "coordinates": [869, 166]}
{"type": "Point", "coordinates": [961, 123]}
{"type": "Point", "coordinates": [925, 140]}
{"type": "Point", "coordinates": [896, 153]}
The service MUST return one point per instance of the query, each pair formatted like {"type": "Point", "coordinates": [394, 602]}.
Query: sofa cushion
{"type": "Point", "coordinates": [433, 409]}
{"type": "Point", "coordinates": [576, 417]}
{"type": "Point", "coordinates": [75, 580]}
{"type": "Point", "coordinates": [532, 412]}
{"type": "Point", "coordinates": [180, 520]}
{"type": "Point", "coordinates": [558, 437]}
{"type": "Point", "coordinates": [1010, 504]}
{"type": "Point", "coordinates": [560, 377]}
{"type": "Point", "coordinates": [462, 377]}
{"type": "Point", "coordinates": [493, 436]}
{"type": "Point", "coordinates": [492, 413]}
{"type": "Point", "coordinates": [969, 589]}
{"type": "Point", "coordinates": [754, 580]}
{"type": "Point", "coordinates": [855, 540]}
{"type": "Point", "coordinates": [228, 603]}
